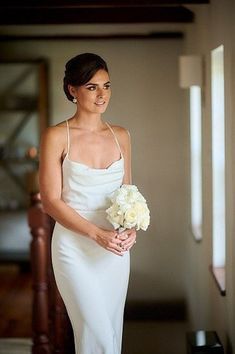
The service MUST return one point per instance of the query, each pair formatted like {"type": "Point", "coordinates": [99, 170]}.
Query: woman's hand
{"type": "Point", "coordinates": [128, 238]}
{"type": "Point", "coordinates": [108, 240]}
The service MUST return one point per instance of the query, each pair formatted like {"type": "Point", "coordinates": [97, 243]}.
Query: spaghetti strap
{"type": "Point", "coordinates": [115, 138]}
{"type": "Point", "coordinates": [68, 138]}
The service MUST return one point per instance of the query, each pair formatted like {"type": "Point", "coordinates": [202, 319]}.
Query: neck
{"type": "Point", "coordinates": [88, 121]}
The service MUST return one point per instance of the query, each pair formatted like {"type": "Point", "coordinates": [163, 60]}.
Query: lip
{"type": "Point", "coordinates": [100, 103]}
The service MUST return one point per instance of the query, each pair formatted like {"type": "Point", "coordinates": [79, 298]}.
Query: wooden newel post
{"type": "Point", "coordinates": [52, 330]}
{"type": "Point", "coordinates": [60, 329]}
{"type": "Point", "coordinates": [40, 230]}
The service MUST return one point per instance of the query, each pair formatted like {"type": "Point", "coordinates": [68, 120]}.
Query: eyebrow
{"type": "Point", "coordinates": [90, 83]}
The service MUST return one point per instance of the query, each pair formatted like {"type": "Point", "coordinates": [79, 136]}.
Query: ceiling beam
{"type": "Point", "coordinates": [114, 36]}
{"type": "Point", "coordinates": [96, 3]}
{"type": "Point", "coordinates": [26, 16]}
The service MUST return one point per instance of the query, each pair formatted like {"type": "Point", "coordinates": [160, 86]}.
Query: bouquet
{"type": "Point", "coordinates": [129, 209]}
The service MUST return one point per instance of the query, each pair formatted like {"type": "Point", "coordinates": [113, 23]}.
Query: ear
{"type": "Point", "coordinates": [72, 90]}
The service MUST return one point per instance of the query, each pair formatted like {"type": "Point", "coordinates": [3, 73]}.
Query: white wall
{"type": "Point", "coordinates": [208, 309]}
{"type": "Point", "coordinates": [147, 100]}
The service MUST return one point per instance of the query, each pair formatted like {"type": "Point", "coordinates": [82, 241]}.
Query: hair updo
{"type": "Point", "coordinates": [80, 69]}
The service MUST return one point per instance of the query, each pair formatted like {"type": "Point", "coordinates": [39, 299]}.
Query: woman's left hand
{"type": "Point", "coordinates": [128, 238]}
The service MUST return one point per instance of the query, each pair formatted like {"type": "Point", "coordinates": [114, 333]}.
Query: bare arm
{"type": "Point", "coordinates": [50, 181]}
{"type": "Point", "coordinates": [125, 142]}
{"type": "Point", "coordinates": [128, 236]}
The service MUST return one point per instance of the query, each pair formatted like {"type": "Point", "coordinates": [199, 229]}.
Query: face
{"type": "Point", "coordinates": [93, 97]}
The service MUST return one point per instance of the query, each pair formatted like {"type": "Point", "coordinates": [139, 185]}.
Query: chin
{"type": "Point", "coordinates": [100, 109]}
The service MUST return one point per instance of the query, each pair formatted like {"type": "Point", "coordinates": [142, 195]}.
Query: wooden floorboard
{"type": "Point", "coordinates": [139, 336]}
{"type": "Point", "coordinates": [15, 301]}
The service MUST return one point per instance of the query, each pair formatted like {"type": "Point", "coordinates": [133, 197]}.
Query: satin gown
{"type": "Point", "coordinates": [92, 281]}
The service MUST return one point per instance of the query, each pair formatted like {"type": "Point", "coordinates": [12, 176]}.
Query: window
{"type": "Point", "coordinates": [196, 161]}
{"type": "Point", "coordinates": [218, 156]}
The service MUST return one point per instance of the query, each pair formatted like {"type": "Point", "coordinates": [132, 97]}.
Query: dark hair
{"type": "Point", "coordinates": [80, 69]}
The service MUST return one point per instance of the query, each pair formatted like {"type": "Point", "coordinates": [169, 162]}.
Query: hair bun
{"type": "Point", "coordinates": [80, 69]}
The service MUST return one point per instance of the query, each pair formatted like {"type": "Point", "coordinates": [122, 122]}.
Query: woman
{"type": "Point", "coordinates": [83, 160]}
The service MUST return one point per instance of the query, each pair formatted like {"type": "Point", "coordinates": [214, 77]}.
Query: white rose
{"type": "Point", "coordinates": [120, 195]}
{"type": "Point", "coordinates": [145, 221]}
{"type": "Point", "coordinates": [142, 216]}
{"type": "Point", "coordinates": [130, 218]}
{"type": "Point", "coordinates": [115, 216]}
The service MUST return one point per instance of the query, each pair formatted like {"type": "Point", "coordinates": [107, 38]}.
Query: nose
{"type": "Point", "coordinates": [100, 93]}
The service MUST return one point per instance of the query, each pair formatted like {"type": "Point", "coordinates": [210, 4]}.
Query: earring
{"type": "Point", "coordinates": [75, 100]}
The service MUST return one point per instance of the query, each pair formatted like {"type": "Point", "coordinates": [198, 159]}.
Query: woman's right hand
{"type": "Point", "coordinates": [108, 240]}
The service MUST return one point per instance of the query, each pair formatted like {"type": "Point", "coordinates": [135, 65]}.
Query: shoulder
{"type": "Point", "coordinates": [123, 137]}
{"type": "Point", "coordinates": [54, 137]}
{"type": "Point", "coordinates": [122, 133]}
{"type": "Point", "coordinates": [55, 132]}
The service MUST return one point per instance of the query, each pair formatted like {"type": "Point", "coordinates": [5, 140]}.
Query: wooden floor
{"type": "Point", "coordinates": [15, 301]}
{"type": "Point", "coordinates": [148, 337]}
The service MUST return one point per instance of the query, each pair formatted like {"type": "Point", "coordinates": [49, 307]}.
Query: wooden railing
{"type": "Point", "coordinates": [51, 327]}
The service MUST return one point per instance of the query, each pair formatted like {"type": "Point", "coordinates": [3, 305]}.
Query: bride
{"type": "Point", "coordinates": [83, 160]}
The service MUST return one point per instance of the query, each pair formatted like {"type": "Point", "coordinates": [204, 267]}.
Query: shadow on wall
{"type": "Point", "coordinates": [173, 309]}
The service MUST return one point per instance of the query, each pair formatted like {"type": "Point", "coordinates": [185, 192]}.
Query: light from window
{"type": "Point", "coordinates": [196, 161]}
{"type": "Point", "coordinates": [218, 156]}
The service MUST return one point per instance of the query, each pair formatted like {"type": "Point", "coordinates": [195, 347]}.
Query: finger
{"type": "Point", "coordinates": [120, 234]}
{"type": "Point", "coordinates": [124, 233]}
{"type": "Point", "coordinates": [116, 241]}
{"type": "Point", "coordinates": [125, 245]}
{"type": "Point", "coordinates": [128, 241]}
{"type": "Point", "coordinates": [116, 247]}
{"type": "Point", "coordinates": [123, 237]}
{"type": "Point", "coordinates": [130, 231]}
{"type": "Point", "coordinates": [115, 251]}
{"type": "Point", "coordinates": [111, 236]}
{"type": "Point", "coordinates": [129, 245]}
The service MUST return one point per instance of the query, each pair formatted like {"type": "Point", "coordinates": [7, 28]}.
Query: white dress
{"type": "Point", "coordinates": [92, 281]}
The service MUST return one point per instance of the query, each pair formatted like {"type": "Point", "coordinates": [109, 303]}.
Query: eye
{"type": "Point", "coordinates": [91, 88]}
{"type": "Point", "coordinates": [106, 87]}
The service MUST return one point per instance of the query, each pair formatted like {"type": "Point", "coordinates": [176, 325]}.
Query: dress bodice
{"type": "Point", "coordinates": [89, 189]}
